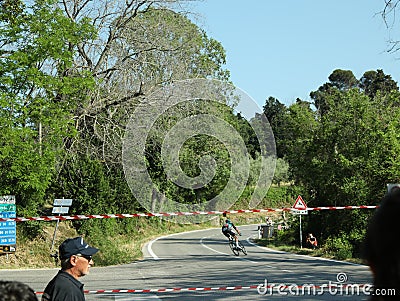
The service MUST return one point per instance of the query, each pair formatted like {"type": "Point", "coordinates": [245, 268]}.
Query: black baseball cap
{"type": "Point", "coordinates": [74, 246]}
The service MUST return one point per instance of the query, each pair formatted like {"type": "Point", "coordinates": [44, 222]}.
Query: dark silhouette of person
{"type": "Point", "coordinates": [16, 291]}
{"type": "Point", "coordinates": [381, 249]}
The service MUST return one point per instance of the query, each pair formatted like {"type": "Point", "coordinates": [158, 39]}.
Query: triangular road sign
{"type": "Point", "coordinates": [299, 204]}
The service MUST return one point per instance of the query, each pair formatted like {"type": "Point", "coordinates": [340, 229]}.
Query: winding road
{"type": "Point", "coordinates": [199, 265]}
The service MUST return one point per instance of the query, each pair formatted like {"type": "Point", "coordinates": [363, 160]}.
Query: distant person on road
{"type": "Point", "coordinates": [381, 249]}
{"type": "Point", "coordinates": [16, 291]}
{"type": "Point", "coordinates": [227, 230]}
{"type": "Point", "coordinates": [312, 241]}
{"type": "Point", "coordinates": [76, 260]}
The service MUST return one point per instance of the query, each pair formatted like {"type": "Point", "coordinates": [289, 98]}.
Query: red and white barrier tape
{"type": "Point", "coordinates": [100, 216]}
{"type": "Point", "coordinates": [281, 287]}
{"type": "Point", "coordinates": [166, 290]}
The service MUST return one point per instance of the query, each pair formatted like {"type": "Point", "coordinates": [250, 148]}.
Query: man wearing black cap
{"type": "Point", "coordinates": [76, 260]}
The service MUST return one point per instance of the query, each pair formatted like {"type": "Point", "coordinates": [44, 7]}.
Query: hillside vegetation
{"type": "Point", "coordinates": [82, 116]}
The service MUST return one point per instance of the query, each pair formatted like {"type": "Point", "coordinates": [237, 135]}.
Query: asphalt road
{"type": "Point", "coordinates": [203, 260]}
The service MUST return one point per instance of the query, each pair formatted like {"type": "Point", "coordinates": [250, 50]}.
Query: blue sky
{"type": "Point", "coordinates": [286, 49]}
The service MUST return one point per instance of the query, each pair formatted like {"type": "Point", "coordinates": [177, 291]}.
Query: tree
{"type": "Point", "coordinates": [281, 172]}
{"type": "Point", "coordinates": [36, 96]}
{"type": "Point", "coordinates": [141, 47]}
{"type": "Point", "coordinates": [348, 158]}
{"type": "Point", "coordinates": [245, 128]}
{"type": "Point", "coordinates": [345, 152]}
{"type": "Point", "coordinates": [300, 126]}
{"type": "Point", "coordinates": [342, 80]}
{"type": "Point", "coordinates": [373, 81]}
{"type": "Point", "coordinates": [319, 96]}
{"type": "Point", "coordinates": [10, 9]}
{"type": "Point", "coordinates": [276, 113]}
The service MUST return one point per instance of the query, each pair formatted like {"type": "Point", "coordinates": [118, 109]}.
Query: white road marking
{"type": "Point", "coordinates": [204, 245]}
{"type": "Point", "coordinates": [261, 247]}
{"type": "Point", "coordinates": [150, 244]}
{"type": "Point", "coordinates": [150, 250]}
{"type": "Point", "coordinates": [207, 247]}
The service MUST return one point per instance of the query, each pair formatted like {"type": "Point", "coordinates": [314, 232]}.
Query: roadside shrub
{"type": "Point", "coordinates": [287, 237]}
{"type": "Point", "coordinates": [339, 247]}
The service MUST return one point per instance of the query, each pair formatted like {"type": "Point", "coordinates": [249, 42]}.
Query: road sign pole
{"type": "Point", "coordinates": [301, 235]}
{"type": "Point", "coordinates": [54, 234]}
{"type": "Point", "coordinates": [60, 206]}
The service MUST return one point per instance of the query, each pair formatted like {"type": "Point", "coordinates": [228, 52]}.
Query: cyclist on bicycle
{"type": "Point", "coordinates": [227, 230]}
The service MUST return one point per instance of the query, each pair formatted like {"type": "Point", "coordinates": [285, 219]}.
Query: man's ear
{"type": "Point", "coordinates": [72, 260]}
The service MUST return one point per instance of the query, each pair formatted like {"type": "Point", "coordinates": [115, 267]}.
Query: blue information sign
{"type": "Point", "coordinates": [8, 230]}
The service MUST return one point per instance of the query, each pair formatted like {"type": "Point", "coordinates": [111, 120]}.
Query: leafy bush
{"type": "Point", "coordinates": [339, 247]}
{"type": "Point", "coordinates": [286, 237]}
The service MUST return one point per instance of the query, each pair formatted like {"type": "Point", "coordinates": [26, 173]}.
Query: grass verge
{"type": "Point", "coordinates": [272, 243]}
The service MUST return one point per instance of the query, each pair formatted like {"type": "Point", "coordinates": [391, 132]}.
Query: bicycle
{"type": "Point", "coordinates": [236, 250]}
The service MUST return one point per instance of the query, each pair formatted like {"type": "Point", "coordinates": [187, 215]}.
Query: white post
{"type": "Point", "coordinates": [301, 236]}
{"type": "Point", "coordinates": [54, 234]}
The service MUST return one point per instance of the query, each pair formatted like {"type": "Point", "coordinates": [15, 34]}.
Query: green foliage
{"type": "Point", "coordinates": [339, 246]}
{"type": "Point", "coordinates": [196, 152]}
{"type": "Point", "coordinates": [10, 9]}
{"type": "Point", "coordinates": [344, 156]}
{"type": "Point", "coordinates": [339, 81]}
{"type": "Point", "coordinates": [344, 161]}
{"type": "Point", "coordinates": [30, 230]}
{"type": "Point", "coordinates": [94, 188]}
{"type": "Point", "coordinates": [61, 123]}
{"type": "Point", "coordinates": [301, 124]}
{"type": "Point", "coordinates": [153, 46]}
{"type": "Point", "coordinates": [345, 152]}
{"type": "Point", "coordinates": [279, 196]}
{"type": "Point", "coordinates": [373, 82]}
{"type": "Point", "coordinates": [38, 93]}
{"type": "Point", "coordinates": [246, 130]}
{"type": "Point", "coordinates": [343, 79]}
{"type": "Point", "coordinates": [104, 235]}
{"type": "Point", "coordinates": [282, 173]}
{"type": "Point", "coordinates": [288, 236]}
{"type": "Point", "coordinates": [275, 113]}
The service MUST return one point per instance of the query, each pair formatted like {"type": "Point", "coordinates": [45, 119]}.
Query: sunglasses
{"type": "Point", "coordinates": [87, 257]}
